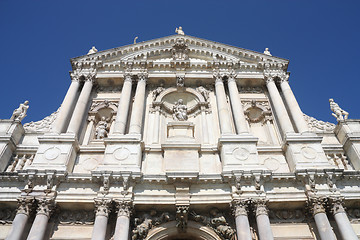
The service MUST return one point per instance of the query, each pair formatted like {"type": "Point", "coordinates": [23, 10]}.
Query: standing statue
{"type": "Point", "coordinates": [203, 91]}
{"type": "Point", "coordinates": [102, 128]}
{"type": "Point", "coordinates": [337, 111]}
{"type": "Point", "coordinates": [179, 31]}
{"type": "Point", "coordinates": [180, 111]}
{"type": "Point", "coordinates": [92, 50]}
{"type": "Point", "coordinates": [156, 92]}
{"type": "Point", "coordinates": [20, 113]}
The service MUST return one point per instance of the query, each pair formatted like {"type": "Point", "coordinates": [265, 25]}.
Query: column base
{"type": "Point", "coordinates": [239, 152]}
{"type": "Point", "coordinates": [304, 151]}
{"type": "Point", "coordinates": [122, 153]}
{"type": "Point", "coordinates": [56, 152]}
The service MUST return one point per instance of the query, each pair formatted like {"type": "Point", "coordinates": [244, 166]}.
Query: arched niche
{"type": "Point", "coordinates": [193, 99]}
{"type": "Point", "coordinates": [194, 231]}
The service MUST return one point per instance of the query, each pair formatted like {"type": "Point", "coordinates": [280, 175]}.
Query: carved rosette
{"type": "Point", "coordinates": [102, 206]}
{"type": "Point", "coordinates": [45, 206]}
{"type": "Point", "coordinates": [25, 205]}
{"type": "Point", "coordinates": [240, 207]}
{"type": "Point", "coordinates": [337, 205]}
{"type": "Point", "coordinates": [124, 208]}
{"type": "Point", "coordinates": [317, 205]}
{"type": "Point", "coordinates": [260, 207]}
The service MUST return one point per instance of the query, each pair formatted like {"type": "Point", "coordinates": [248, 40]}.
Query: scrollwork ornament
{"type": "Point", "coordinates": [102, 206]}
{"type": "Point", "coordinates": [124, 208]}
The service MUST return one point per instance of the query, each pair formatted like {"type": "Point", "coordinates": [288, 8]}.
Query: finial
{"type": "Point", "coordinates": [267, 52]}
{"type": "Point", "coordinates": [338, 112]}
{"type": "Point", "coordinates": [92, 50]}
{"type": "Point", "coordinates": [179, 31]}
{"type": "Point", "coordinates": [135, 39]}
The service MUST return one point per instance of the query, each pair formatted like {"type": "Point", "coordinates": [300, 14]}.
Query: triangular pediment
{"type": "Point", "coordinates": [158, 52]}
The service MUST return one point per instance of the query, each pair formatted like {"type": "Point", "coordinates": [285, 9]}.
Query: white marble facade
{"type": "Point", "coordinates": [179, 138]}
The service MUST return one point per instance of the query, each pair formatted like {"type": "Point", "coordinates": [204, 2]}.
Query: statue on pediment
{"type": "Point", "coordinates": [179, 31]}
{"type": "Point", "coordinates": [92, 50]}
{"type": "Point", "coordinates": [338, 112]}
{"type": "Point", "coordinates": [180, 111]}
{"type": "Point", "coordinates": [20, 113]}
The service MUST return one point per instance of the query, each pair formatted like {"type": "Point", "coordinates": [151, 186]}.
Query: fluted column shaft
{"type": "Point", "coordinates": [38, 228]}
{"type": "Point", "coordinates": [139, 103]}
{"type": "Point", "coordinates": [294, 107]}
{"type": "Point", "coordinates": [279, 107]}
{"type": "Point", "coordinates": [124, 103]}
{"type": "Point", "coordinates": [342, 221]}
{"type": "Point", "coordinates": [20, 220]}
{"type": "Point", "coordinates": [241, 220]}
{"type": "Point", "coordinates": [123, 220]}
{"type": "Point", "coordinates": [102, 209]}
{"type": "Point", "coordinates": [223, 112]}
{"type": "Point", "coordinates": [236, 106]}
{"type": "Point", "coordinates": [321, 220]}
{"type": "Point", "coordinates": [263, 221]}
{"type": "Point", "coordinates": [80, 108]}
{"type": "Point", "coordinates": [66, 106]}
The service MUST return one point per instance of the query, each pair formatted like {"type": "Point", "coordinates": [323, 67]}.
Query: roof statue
{"type": "Point", "coordinates": [338, 112]}
{"type": "Point", "coordinates": [92, 50]}
{"type": "Point", "coordinates": [179, 31]}
{"type": "Point", "coordinates": [267, 52]}
{"type": "Point", "coordinates": [135, 39]}
{"type": "Point", "coordinates": [20, 113]}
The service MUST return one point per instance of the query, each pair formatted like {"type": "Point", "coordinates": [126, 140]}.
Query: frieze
{"type": "Point", "coordinates": [76, 217]}
{"type": "Point", "coordinates": [289, 215]}
{"type": "Point", "coordinates": [256, 90]}
{"type": "Point", "coordinates": [7, 215]}
{"type": "Point", "coordinates": [43, 125]}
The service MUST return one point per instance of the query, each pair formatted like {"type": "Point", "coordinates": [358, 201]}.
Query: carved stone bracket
{"type": "Point", "coordinates": [102, 206]}
{"type": "Point", "coordinates": [182, 217]}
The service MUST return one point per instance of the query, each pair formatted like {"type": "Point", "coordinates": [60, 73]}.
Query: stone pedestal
{"type": "Point", "coordinates": [122, 153]}
{"type": "Point", "coordinates": [348, 133]}
{"type": "Point", "coordinates": [56, 152]}
{"type": "Point", "coordinates": [304, 151]}
{"type": "Point", "coordinates": [10, 135]}
{"type": "Point", "coordinates": [238, 152]}
{"type": "Point", "coordinates": [180, 144]}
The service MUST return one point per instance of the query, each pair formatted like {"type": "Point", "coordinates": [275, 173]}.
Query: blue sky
{"type": "Point", "coordinates": [320, 38]}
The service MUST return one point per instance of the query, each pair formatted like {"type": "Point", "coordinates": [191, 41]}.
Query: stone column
{"type": "Point", "coordinates": [122, 228]}
{"type": "Point", "coordinates": [293, 106]}
{"type": "Point", "coordinates": [102, 209]}
{"type": "Point", "coordinates": [21, 218]}
{"type": "Point", "coordinates": [66, 106]}
{"type": "Point", "coordinates": [124, 103]}
{"type": "Point", "coordinates": [342, 221]}
{"type": "Point", "coordinates": [89, 129]}
{"type": "Point", "coordinates": [80, 108]}
{"type": "Point", "coordinates": [279, 107]}
{"type": "Point", "coordinates": [262, 220]}
{"type": "Point", "coordinates": [241, 219]}
{"type": "Point", "coordinates": [223, 112]}
{"type": "Point", "coordinates": [44, 210]}
{"type": "Point", "coordinates": [138, 106]}
{"type": "Point", "coordinates": [321, 220]}
{"type": "Point", "coordinates": [236, 106]}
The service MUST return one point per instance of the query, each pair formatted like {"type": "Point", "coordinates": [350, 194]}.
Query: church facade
{"type": "Point", "coordinates": [179, 138]}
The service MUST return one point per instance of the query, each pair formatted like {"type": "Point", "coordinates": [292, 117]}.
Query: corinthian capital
{"type": "Point", "coordinates": [317, 205]}
{"type": "Point", "coordinates": [240, 207]}
{"type": "Point", "coordinates": [143, 76]}
{"type": "Point", "coordinates": [45, 206]}
{"type": "Point", "coordinates": [260, 206]}
{"type": "Point", "coordinates": [218, 76]}
{"type": "Point", "coordinates": [337, 205]}
{"type": "Point", "coordinates": [124, 208]}
{"type": "Point", "coordinates": [102, 206]}
{"type": "Point", "coordinates": [231, 75]}
{"type": "Point", "coordinates": [25, 205]}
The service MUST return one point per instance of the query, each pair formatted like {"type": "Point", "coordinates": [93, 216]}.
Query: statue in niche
{"type": "Point", "coordinates": [180, 111]}
{"type": "Point", "coordinates": [20, 113]}
{"type": "Point", "coordinates": [156, 92]}
{"type": "Point", "coordinates": [338, 112]}
{"type": "Point", "coordinates": [102, 128]}
{"type": "Point", "coordinates": [203, 91]}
